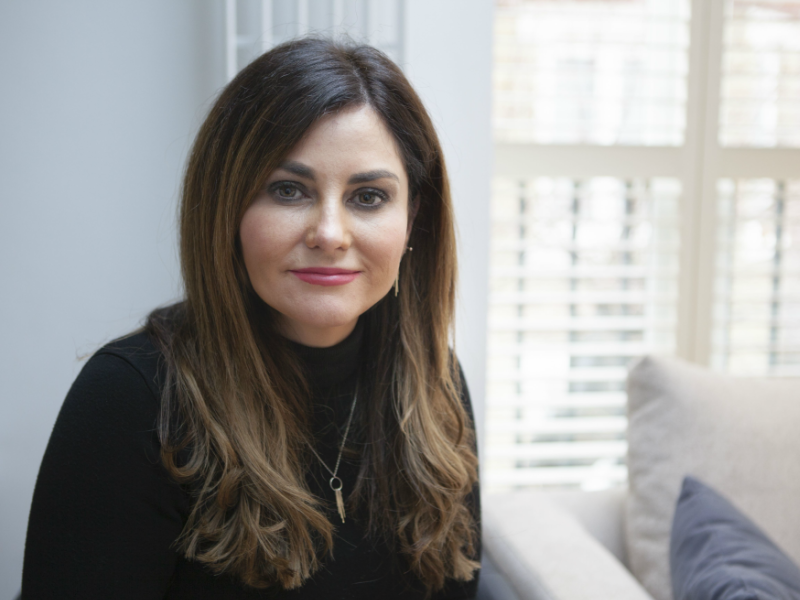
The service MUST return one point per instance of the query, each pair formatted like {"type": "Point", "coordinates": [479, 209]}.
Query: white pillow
{"type": "Point", "coordinates": [741, 436]}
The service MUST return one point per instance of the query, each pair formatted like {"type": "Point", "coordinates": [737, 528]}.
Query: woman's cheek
{"type": "Point", "coordinates": [386, 249]}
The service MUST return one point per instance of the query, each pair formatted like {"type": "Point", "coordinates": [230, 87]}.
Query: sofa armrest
{"type": "Point", "coordinates": [600, 513]}
{"type": "Point", "coordinates": [545, 554]}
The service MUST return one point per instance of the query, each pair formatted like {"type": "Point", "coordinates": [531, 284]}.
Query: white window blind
{"type": "Point", "coordinates": [757, 310]}
{"type": "Point", "coordinates": [604, 72]}
{"type": "Point", "coordinates": [584, 279]}
{"type": "Point", "coordinates": [255, 26]}
{"type": "Point", "coordinates": [589, 113]}
{"type": "Point", "coordinates": [761, 74]}
{"type": "Point", "coordinates": [646, 199]}
{"type": "Point", "coordinates": [756, 176]}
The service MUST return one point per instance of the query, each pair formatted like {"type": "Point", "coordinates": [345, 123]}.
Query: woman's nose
{"type": "Point", "coordinates": [329, 229]}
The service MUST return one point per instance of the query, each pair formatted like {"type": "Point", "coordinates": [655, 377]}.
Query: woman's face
{"type": "Point", "coordinates": [323, 239]}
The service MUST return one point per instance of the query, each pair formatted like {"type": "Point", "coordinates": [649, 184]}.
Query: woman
{"type": "Point", "coordinates": [297, 426]}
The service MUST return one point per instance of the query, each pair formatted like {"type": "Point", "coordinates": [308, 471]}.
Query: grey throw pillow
{"type": "Point", "coordinates": [717, 553]}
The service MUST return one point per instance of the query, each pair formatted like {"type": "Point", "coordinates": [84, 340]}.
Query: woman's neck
{"type": "Point", "coordinates": [331, 365]}
{"type": "Point", "coordinates": [315, 337]}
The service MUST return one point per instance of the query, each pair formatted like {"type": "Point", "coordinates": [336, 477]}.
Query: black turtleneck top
{"type": "Point", "coordinates": [105, 514]}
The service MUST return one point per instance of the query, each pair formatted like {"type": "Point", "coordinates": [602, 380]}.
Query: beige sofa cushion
{"type": "Point", "coordinates": [741, 436]}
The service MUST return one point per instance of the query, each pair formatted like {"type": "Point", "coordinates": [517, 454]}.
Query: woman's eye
{"type": "Point", "coordinates": [371, 198]}
{"type": "Point", "coordinates": [287, 191]}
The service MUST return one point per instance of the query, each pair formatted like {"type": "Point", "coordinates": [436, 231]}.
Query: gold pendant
{"type": "Point", "coordinates": [337, 490]}
{"type": "Point", "coordinates": [340, 503]}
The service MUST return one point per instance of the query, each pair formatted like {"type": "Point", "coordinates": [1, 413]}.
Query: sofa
{"type": "Point", "coordinates": [741, 435]}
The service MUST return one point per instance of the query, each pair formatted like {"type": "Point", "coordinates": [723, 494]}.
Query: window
{"type": "Point", "coordinates": [761, 74]}
{"type": "Point", "coordinates": [255, 26]}
{"type": "Point", "coordinates": [646, 199]}
{"type": "Point", "coordinates": [757, 292]}
{"type": "Point", "coordinates": [757, 289]}
{"type": "Point", "coordinates": [579, 72]}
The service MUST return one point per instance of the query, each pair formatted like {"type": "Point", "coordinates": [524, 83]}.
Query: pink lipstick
{"type": "Point", "coordinates": [325, 275]}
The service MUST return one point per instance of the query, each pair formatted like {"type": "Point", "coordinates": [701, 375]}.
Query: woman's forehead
{"type": "Point", "coordinates": [354, 140]}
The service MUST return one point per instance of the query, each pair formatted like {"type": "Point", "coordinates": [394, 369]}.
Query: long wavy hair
{"type": "Point", "coordinates": [234, 423]}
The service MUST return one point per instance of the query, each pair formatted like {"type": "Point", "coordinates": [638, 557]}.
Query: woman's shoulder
{"type": "Point", "coordinates": [118, 389]}
{"type": "Point", "coordinates": [131, 356]}
{"type": "Point", "coordinates": [104, 510]}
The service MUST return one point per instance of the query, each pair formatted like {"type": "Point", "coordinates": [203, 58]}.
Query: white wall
{"type": "Point", "coordinates": [448, 58]}
{"type": "Point", "coordinates": [100, 103]}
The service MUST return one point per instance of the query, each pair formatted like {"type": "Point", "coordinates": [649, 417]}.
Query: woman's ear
{"type": "Point", "coordinates": [413, 208]}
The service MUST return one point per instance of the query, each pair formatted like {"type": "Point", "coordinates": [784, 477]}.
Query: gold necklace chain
{"type": "Point", "coordinates": [335, 482]}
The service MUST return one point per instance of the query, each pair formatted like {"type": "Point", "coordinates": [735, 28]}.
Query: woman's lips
{"type": "Point", "coordinates": [325, 275]}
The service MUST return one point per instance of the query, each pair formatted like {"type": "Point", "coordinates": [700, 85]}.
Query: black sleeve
{"type": "Point", "coordinates": [456, 590]}
{"type": "Point", "coordinates": [104, 513]}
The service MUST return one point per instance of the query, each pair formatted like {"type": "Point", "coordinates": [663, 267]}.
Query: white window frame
{"type": "Point", "coordinates": [699, 163]}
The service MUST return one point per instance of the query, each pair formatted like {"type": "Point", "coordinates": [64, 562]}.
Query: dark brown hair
{"type": "Point", "coordinates": [234, 421]}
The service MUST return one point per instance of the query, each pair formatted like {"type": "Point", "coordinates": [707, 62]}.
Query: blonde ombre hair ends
{"type": "Point", "coordinates": [234, 423]}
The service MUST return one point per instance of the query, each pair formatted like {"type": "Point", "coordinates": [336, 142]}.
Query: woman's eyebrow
{"type": "Point", "coordinates": [301, 170]}
{"type": "Point", "coordinates": [372, 176]}
{"type": "Point", "coordinates": [298, 169]}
